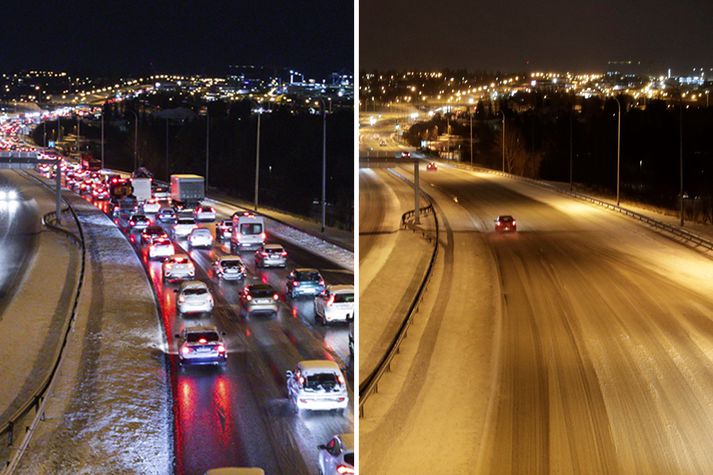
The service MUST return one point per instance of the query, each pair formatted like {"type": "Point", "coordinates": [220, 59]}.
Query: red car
{"type": "Point", "coordinates": [432, 167]}
{"type": "Point", "coordinates": [505, 224]}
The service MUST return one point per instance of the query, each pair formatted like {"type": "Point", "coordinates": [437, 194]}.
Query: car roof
{"type": "Point", "coordinates": [228, 257]}
{"type": "Point", "coordinates": [201, 328]}
{"type": "Point", "coordinates": [312, 366]}
{"type": "Point", "coordinates": [505, 216]}
{"type": "Point", "coordinates": [203, 230]}
{"type": "Point", "coordinates": [179, 256]}
{"type": "Point", "coordinates": [194, 284]}
{"type": "Point", "coordinates": [273, 246]}
{"type": "Point", "coordinates": [343, 288]}
{"type": "Point", "coordinates": [305, 269]}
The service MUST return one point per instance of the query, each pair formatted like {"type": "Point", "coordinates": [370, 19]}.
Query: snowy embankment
{"type": "Point", "coordinates": [110, 411]}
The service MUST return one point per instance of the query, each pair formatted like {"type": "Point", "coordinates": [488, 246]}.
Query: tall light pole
{"type": "Point", "coordinates": [324, 166]}
{"type": "Point", "coordinates": [680, 157]}
{"type": "Point", "coordinates": [571, 126]}
{"type": "Point", "coordinates": [207, 145]}
{"type": "Point", "coordinates": [168, 175]}
{"type": "Point", "coordinates": [77, 133]}
{"type": "Point", "coordinates": [136, 139]}
{"type": "Point", "coordinates": [503, 113]}
{"type": "Point", "coordinates": [257, 160]}
{"type": "Point", "coordinates": [618, 152]}
{"type": "Point", "coordinates": [102, 138]}
{"type": "Point", "coordinates": [471, 139]}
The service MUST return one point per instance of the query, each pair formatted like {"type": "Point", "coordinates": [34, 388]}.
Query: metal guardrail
{"type": "Point", "coordinates": [39, 399]}
{"type": "Point", "coordinates": [371, 383]}
{"type": "Point", "coordinates": [681, 233]}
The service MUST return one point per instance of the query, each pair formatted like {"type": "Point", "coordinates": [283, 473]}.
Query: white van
{"type": "Point", "coordinates": [248, 232]}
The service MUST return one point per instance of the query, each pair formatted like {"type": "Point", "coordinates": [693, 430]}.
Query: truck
{"type": "Point", "coordinates": [142, 189]}
{"type": "Point", "coordinates": [187, 190]}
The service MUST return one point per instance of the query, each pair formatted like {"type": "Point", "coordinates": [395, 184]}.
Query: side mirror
{"type": "Point", "coordinates": [288, 374]}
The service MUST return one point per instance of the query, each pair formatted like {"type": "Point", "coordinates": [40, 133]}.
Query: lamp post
{"type": "Point", "coordinates": [168, 174]}
{"type": "Point", "coordinates": [680, 158]}
{"type": "Point", "coordinates": [471, 138]}
{"type": "Point", "coordinates": [102, 138]}
{"type": "Point", "coordinates": [503, 113]}
{"type": "Point", "coordinates": [324, 166]}
{"type": "Point", "coordinates": [136, 139]}
{"type": "Point", "coordinates": [207, 145]}
{"type": "Point", "coordinates": [618, 152]}
{"type": "Point", "coordinates": [571, 126]}
{"type": "Point", "coordinates": [257, 160]}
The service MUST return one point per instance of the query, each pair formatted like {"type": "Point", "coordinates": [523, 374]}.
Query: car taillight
{"type": "Point", "coordinates": [340, 378]}
{"type": "Point", "coordinates": [221, 349]}
{"type": "Point", "coordinates": [185, 350]}
{"type": "Point", "coordinates": [514, 223]}
{"type": "Point", "coordinates": [263, 236]}
{"type": "Point", "coordinates": [342, 469]}
{"type": "Point", "coordinates": [321, 282]}
{"type": "Point", "coordinates": [181, 299]}
{"type": "Point", "coordinates": [275, 297]}
{"type": "Point", "coordinates": [283, 253]}
{"type": "Point", "coordinates": [302, 381]}
{"type": "Point", "coordinates": [296, 283]}
{"type": "Point", "coordinates": [248, 297]}
{"type": "Point", "coordinates": [330, 301]}
{"type": "Point", "coordinates": [202, 341]}
{"type": "Point", "coordinates": [264, 254]}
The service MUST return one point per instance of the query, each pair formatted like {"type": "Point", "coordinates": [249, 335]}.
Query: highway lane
{"type": "Point", "coordinates": [604, 345]}
{"type": "Point", "coordinates": [239, 415]}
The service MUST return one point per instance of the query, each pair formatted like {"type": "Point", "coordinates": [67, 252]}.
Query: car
{"type": "Point", "coordinates": [204, 213]}
{"type": "Point", "coordinates": [193, 297]}
{"type": "Point", "coordinates": [304, 281]}
{"type": "Point", "coordinates": [178, 267]}
{"type": "Point", "coordinates": [271, 255]}
{"type": "Point", "coordinates": [166, 215]}
{"type": "Point", "coordinates": [201, 345]}
{"type": "Point", "coordinates": [161, 248]}
{"type": "Point", "coordinates": [335, 304]}
{"type": "Point", "coordinates": [152, 206]}
{"type": "Point", "coordinates": [152, 233]}
{"type": "Point", "coordinates": [382, 143]}
{"type": "Point", "coordinates": [200, 237]}
{"type": "Point", "coordinates": [139, 221]}
{"type": "Point", "coordinates": [184, 227]}
{"type": "Point", "coordinates": [351, 339]}
{"type": "Point", "coordinates": [224, 229]}
{"type": "Point", "coordinates": [406, 155]}
{"type": "Point", "coordinates": [160, 192]}
{"type": "Point", "coordinates": [336, 457]}
{"type": "Point", "coordinates": [258, 298]}
{"type": "Point", "coordinates": [229, 268]}
{"type": "Point", "coordinates": [505, 223]}
{"type": "Point", "coordinates": [432, 167]}
{"type": "Point", "coordinates": [317, 385]}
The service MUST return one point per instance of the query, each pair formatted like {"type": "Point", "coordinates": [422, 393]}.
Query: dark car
{"type": "Point", "coordinates": [139, 221]}
{"type": "Point", "coordinates": [505, 224]}
{"type": "Point", "coordinates": [259, 298]}
{"type": "Point", "coordinates": [152, 233]}
{"type": "Point", "coordinates": [166, 215]}
{"type": "Point", "coordinates": [305, 282]}
{"type": "Point", "coordinates": [224, 229]}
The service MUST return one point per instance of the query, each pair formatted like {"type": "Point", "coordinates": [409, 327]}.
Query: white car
{"type": "Point", "coordinates": [151, 207]}
{"type": "Point", "coordinates": [200, 237]}
{"type": "Point", "coordinates": [201, 345]}
{"type": "Point", "coordinates": [161, 248]}
{"type": "Point", "coordinates": [335, 304]}
{"type": "Point", "coordinates": [204, 213]}
{"type": "Point", "coordinates": [178, 267]}
{"type": "Point", "coordinates": [183, 227]}
{"type": "Point", "coordinates": [317, 385]}
{"type": "Point", "coordinates": [229, 268]}
{"type": "Point", "coordinates": [271, 255]}
{"type": "Point", "coordinates": [193, 297]}
{"type": "Point", "coordinates": [336, 457]}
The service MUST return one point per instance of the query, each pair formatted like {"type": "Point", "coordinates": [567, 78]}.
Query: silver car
{"type": "Point", "coordinates": [271, 255]}
{"type": "Point", "coordinates": [194, 297]}
{"type": "Point", "coordinates": [200, 237]}
{"type": "Point", "coordinates": [178, 267]}
{"type": "Point", "coordinates": [201, 345]}
{"type": "Point", "coordinates": [259, 298]}
{"type": "Point", "coordinates": [229, 268]}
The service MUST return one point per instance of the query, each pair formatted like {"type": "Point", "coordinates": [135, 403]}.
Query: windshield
{"type": "Point", "coordinates": [230, 264]}
{"type": "Point", "coordinates": [273, 250]}
{"type": "Point", "coordinates": [321, 381]}
{"type": "Point", "coordinates": [186, 221]}
{"type": "Point", "coordinates": [201, 231]}
{"type": "Point", "coordinates": [308, 276]}
{"type": "Point", "coordinates": [344, 298]}
{"type": "Point", "coordinates": [262, 292]}
{"type": "Point", "coordinates": [251, 228]}
{"type": "Point", "coordinates": [210, 337]}
{"type": "Point", "coordinates": [198, 291]}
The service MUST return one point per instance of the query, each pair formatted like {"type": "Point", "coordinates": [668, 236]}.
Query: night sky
{"type": "Point", "coordinates": [532, 35]}
{"type": "Point", "coordinates": [122, 37]}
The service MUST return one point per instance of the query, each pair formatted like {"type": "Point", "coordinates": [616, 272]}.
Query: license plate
{"type": "Point", "coordinates": [261, 301]}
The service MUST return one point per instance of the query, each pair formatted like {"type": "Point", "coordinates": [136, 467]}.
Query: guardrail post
{"type": "Point", "coordinates": [10, 430]}
{"type": "Point", "coordinates": [416, 190]}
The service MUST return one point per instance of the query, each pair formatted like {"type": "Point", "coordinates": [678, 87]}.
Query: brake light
{"type": "Point", "coordinates": [340, 378]}
{"type": "Point", "coordinates": [264, 254]}
{"type": "Point", "coordinates": [248, 297]}
{"type": "Point", "coordinates": [185, 350]}
{"type": "Point", "coordinates": [221, 349]}
{"type": "Point", "coordinates": [330, 301]}
{"type": "Point", "coordinates": [302, 381]}
{"type": "Point", "coordinates": [514, 223]}
{"type": "Point", "coordinates": [263, 236]}
{"type": "Point", "coordinates": [342, 469]}
{"type": "Point", "coordinates": [321, 282]}
{"type": "Point", "coordinates": [283, 253]}
{"type": "Point", "coordinates": [202, 341]}
{"type": "Point", "coordinates": [296, 283]}
{"type": "Point", "coordinates": [181, 299]}
{"type": "Point", "coordinates": [276, 297]}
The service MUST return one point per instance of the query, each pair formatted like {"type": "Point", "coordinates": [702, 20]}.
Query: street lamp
{"type": "Point", "coordinates": [471, 136]}
{"type": "Point", "coordinates": [618, 152]}
{"type": "Point", "coordinates": [136, 139]}
{"type": "Point", "coordinates": [680, 158]}
{"type": "Point", "coordinates": [257, 159]}
{"type": "Point", "coordinates": [503, 114]}
{"type": "Point", "coordinates": [571, 126]}
{"type": "Point", "coordinates": [324, 165]}
{"type": "Point", "coordinates": [207, 144]}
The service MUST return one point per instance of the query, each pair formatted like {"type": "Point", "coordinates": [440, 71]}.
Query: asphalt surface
{"type": "Point", "coordinates": [239, 415]}
{"type": "Point", "coordinates": [601, 356]}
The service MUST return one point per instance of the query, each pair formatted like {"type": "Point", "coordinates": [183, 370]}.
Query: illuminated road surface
{"type": "Point", "coordinates": [581, 344]}
{"type": "Point", "coordinates": [239, 414]}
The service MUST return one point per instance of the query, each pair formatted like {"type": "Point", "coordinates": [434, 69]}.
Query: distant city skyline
{"type": "Point", "coordinates": [143, 38]}
{"type": "Point", "coordinates": [574, 35]}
